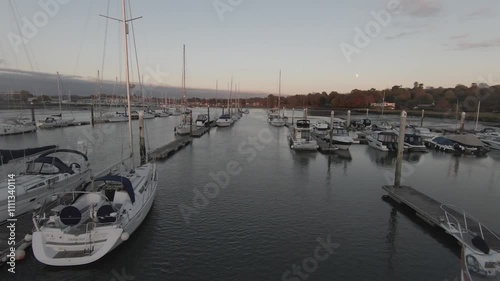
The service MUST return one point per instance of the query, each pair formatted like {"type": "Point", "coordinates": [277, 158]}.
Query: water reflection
{"type": "Point", "coordinates": [383, 159]}
{"type": "Point", "coordinates": [388, 159]}
{"type": "Point", "coordinates": [390, 238]}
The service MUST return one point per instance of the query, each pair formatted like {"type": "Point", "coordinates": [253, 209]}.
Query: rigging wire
{"type": "Point", "coordinates": [105, 41]}
{"type": "Point", "coordinates": [13, 9]}
{"type": "Point", "coordinates": [83, 37]}
{"type": "Point", "coordinates": [135, 51]}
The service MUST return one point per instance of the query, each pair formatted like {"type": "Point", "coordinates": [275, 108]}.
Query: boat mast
{"type": "Point", "coordinates": [59, 92]}
{"type": "Point", "coordinates": [279, 94]}
{"type": "Point", "coordinates": [127, 80]}
{"type": "Point", "coordinates": [184, 75]}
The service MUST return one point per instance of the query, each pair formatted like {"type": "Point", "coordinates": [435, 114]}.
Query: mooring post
{"type": "Point", "coordinates": [331, 129]}
{"type": "Point", "coordinates": [92, 114]}
{"type": "Point", "coordinates": [477, 115]}
{"type": "Point", "coordinates": [33, 120]}
{"type": "Point", "coordinates": [191, 123]}
{"type": "Point", "coordinates": [293, 111]}
{"type": "Point", "coordinates": [142, 144]}
{"type": "Point", "coordinates": [422, 118]}
{"type": "Point", "coordinates": [399, 160]}
{"type": "Point", "coordinates": [208, 112]}
{"type": "Point", "coordinates": [462, 123]}
{"type": "Point", "coordinates": [367, 112]}
{"type": "Point", "coordinates": [348, 125]}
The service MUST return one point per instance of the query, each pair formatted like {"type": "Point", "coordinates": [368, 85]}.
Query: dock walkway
{"type": "Point", "coordinates": [169, 149]}
{"type": "Point", "coordinates": [430, 210]}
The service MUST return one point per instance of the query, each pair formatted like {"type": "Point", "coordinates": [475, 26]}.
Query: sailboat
{"type": "Point", "coordinates": [184, 128]}
{"type": "Point", "coordinates": [44, 176]}
{"type": "Point", "coordinates": [56, 120]}
{"type": "Point", "coordinates": [82, 227]}
{"type": "Point", "coordinates": [226, 120]}
{"type": "Point", "coordinates": [275, 117]}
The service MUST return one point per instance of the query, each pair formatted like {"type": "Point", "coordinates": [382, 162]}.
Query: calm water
{"type": "Point", "coordinates": [274, 210]}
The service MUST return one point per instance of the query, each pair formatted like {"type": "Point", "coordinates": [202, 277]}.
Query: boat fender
{"type": "Point", "coordinates": [125, 236]}
{"type": "Point", "coordinates": [479, 243]}
{"type": "Point", "coordinates": [27, 237]}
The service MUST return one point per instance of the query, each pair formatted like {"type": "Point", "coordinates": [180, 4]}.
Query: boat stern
{"type": "Point", "coordinates": [57, 248]}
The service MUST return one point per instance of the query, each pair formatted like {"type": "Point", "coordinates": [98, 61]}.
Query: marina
{"type": "Point", "coordinates": [211, 145]}
{"type": "Point", "coordinates": [186, 158]}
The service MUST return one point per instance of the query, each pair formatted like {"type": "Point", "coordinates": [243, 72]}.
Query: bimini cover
{"type": "Point", "coordinates": [442, 141]}
{"type": "Point", "coordinates": [63, 168]}
{"type": "Point", "coordinates": [469, 140]}
{"type": "Point", "coordinates": [127, 185]}
{"type": "Point", "coordinates": [8, 155]}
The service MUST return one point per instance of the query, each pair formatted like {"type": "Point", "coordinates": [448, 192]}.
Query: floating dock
{"type": "Point", "coordinates": [324, 146]}
{"type": "Point", "coordinates": [169, 149]}
{"type": "Point", "coordinates": [200, 132]}
{"type": "Point", "coordinates": [430, 210]}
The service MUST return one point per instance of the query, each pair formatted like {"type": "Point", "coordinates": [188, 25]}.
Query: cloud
{"type": "Point", "coordinates": [422, 8]}
{"type": "Point", "coordinates": [464, 45]}
{"type": "Point", "coordinates": [459, 37]}
{"type": "Point", "coordinates": [480, 13]}
{"type": "Point", "coordinates": [401, 34]}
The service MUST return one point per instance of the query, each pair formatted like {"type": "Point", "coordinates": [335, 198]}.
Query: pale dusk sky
{"type": "Point", "coordinates": [435, 42]}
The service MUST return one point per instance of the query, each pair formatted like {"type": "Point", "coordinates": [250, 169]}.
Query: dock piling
{"type": "Point", "coordinates": [399, 160]}
{"type": "Point", "coordinates": [142, 144]}
{"type": "Point", "coordinates": [348, 125]}
{"type": "Point", "coordinates": [422, 118]}
{"type": "Point", "coordinates": [33, 120]}
{"type": "Point", "coordinates": [331, 129]}
{"type": "Point", "coordinates": [92, 115]}
{"type": "Point", "coordinates": [191, 123]}
{"type": "Point", "coordinates": [293, 111]}
{"type": "Point", "coordinates": [462, 123]}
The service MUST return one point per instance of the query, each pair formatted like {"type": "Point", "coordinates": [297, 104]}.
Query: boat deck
{"type": "Point", "coordinates": [169, 149]}
{"type": "Point", "coordinates": [430, 210]}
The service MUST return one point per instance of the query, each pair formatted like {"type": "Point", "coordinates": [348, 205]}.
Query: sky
{"type": "Point", "coordinates": [319, 45]}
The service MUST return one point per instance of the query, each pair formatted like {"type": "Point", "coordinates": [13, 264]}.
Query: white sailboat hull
{"type": "Point", "coordinates": [6, 130]}
{"type": "Point", "coordinates": [53, 246]}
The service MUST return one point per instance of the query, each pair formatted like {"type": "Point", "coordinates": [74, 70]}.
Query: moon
{"type": "Point", "coordinates": [357, 75]}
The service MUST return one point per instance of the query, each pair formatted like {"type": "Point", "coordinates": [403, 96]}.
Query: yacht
{"type": "Point", "coordinates": [383, 140]}
{"type": "Point", "coordinates": [340, 138]}
{"type": "Point", "coordinates": [16, 129]}
{"type": "Point", "coordinates": [440, 143]}
{"type": "Point", "coordinates": [321, 128]}
{"type": "Point", "coordinates": [118, 117]}
{"type": "Point", "coordinates": [202, 120]}
{"type": "Point", "coordinates": [300, 136]}
{"type": "Point", "coordinates": [45, 175]}
{"type": "Point", "coordinates": [414, 143]}
{"type": "Point", "coordinates": [493, 143]}
{"type": "Point", "coordinates": [224, 120]}
{"type": "Point", "coordinates": [55, 121]}
{"type": "Point", "coordinates": [480, 257]}
{"type": "Point", "coordinates": [83, 226]}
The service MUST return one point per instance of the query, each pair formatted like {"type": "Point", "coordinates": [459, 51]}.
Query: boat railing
{"type": "Point", "coordinates": [65, 199]}
{"type": "Point", "coordinates": [468, 220]}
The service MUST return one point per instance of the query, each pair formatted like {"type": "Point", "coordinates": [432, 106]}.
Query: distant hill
{"type": "Point", "coordinates": [40, 83]}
